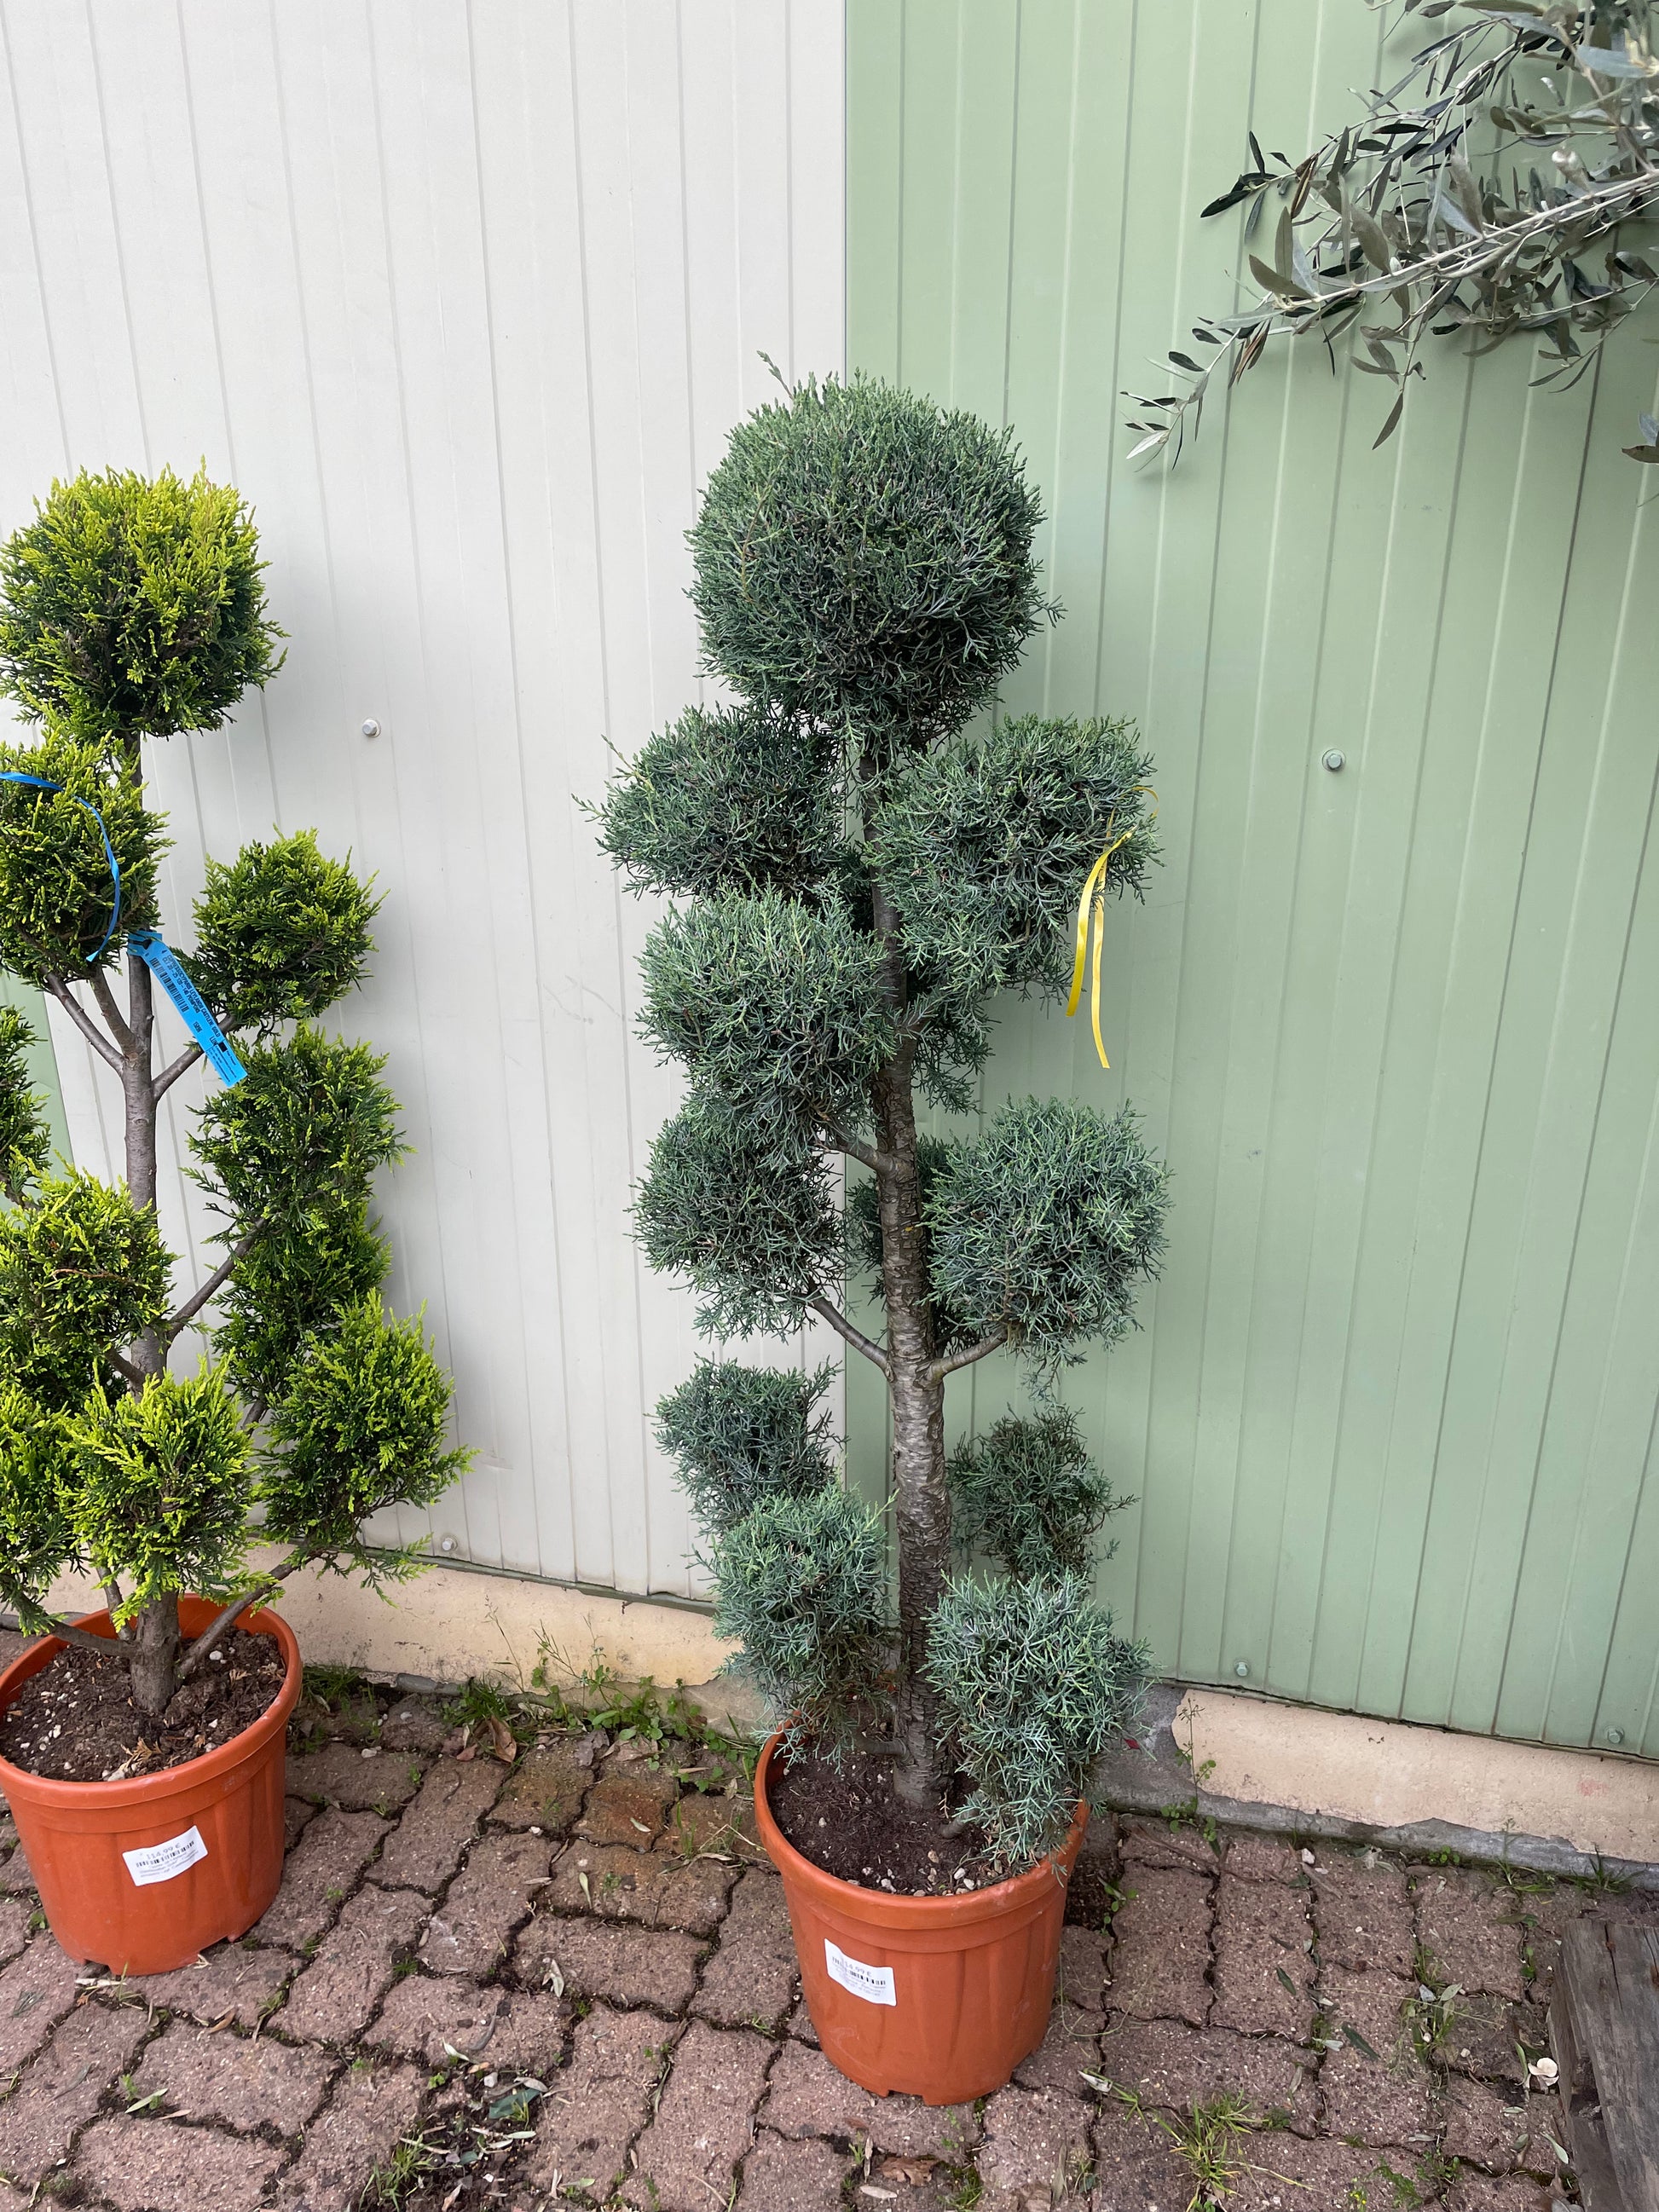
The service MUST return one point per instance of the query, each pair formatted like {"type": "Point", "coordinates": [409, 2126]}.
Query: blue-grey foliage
{"type": "Point", "coordinates": [744, 1210]}
{"type": "Point", "coordinates": [801, 1584]}
{"type": "Point", "coordinates": [1035, 1684]}
{"type": "Point", "coordinates": [775, 1005]}
{"type": "Point", "coordinates": [984, 845]}
{"type": "Point", "coordinates": [740, 1435]}
{"type": "Point", "coordinates": [1047, 1225]}
{"type": "Point", "coordinates": [1026, 1493]}
{"type": "Point", "coordinates": [740, 798]}
{"type": "Point", "coordinates": [863, 560]}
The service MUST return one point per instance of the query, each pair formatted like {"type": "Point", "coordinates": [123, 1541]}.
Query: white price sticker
{"type": "Point", "coordinates": [162, 1861]}
{"type": "Point", "coordinates": [874, 1983]}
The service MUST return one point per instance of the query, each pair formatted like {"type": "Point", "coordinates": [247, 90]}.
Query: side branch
{"type": "Point", "coordinates": [110, 1010]}
{"type": "Point", "coordinates": [859, 1342]}
{"type": "Point", "coordinates": [84, 1021]}
{"type": "Point", "coordinates": [215, 1281]}
{"type": "Point", "coordinates": [174, 1068]}
{"type": "Point", "coordinates": [104, 1644]}
{"type": "Point", "coordinates": [843, 1140]}
{"type": "Point", "coordinates": [221, 1624]}
{"type": "Point", "coordinates": [986, 1346]}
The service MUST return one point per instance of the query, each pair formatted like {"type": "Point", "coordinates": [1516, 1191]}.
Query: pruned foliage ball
{"type": "Point", "coordinates": [727, 799]}
{"type": "Point", "coordinates": [863, 559]}
{"type": "Point", "coordinates": [801, 1584]}
{"type": "Point", "coordinates": [36, 1539]}
{"type": "Point", "coordinates": [1027, 1494]}
{"type": "Point", "coordinates": [294, 1280]}
{"type": "Point", "coordinates": [281, 932]}
{"type": "Point", "coordinates": [745, 1211]}
{"type": "Point", "coordinates": [984, 845]}
{"type": "Point", "coordinates": [740, 1435]}
{"type": "Point", "coordinates": [158, 1488]}
{"type": "Point", "coordinates": [1047, 1224]}
{"type": "Point", "coordinates": [56, 894]}
{"type": "Point", "coordinates": [775, 1004]}
{"type": "Point", "coordinates": [134, 605]}
{"type": "Point", "coordinates": [25, 1142]}
{"type": "Point", "coordinates": [83, 1271]}
{"type": "Point", "coordinates": [1035, 1684]}
{"type": "Point", "coordinates": [306, 1128]}
{"type": "Point", "coordinates": [361, 1425]}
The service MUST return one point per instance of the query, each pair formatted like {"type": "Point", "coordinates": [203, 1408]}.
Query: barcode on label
{"type": "Point", "coordinates": [874, 1983]}
{"type": "Point", "coordinates": [162, 1861]}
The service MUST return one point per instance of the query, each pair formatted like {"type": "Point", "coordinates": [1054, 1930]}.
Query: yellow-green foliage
{"type": "Point", "coordinates": [36, 1539]}
{"type": "Point", "coordinates": [133, 605]}
{"type": "Point", "coordinates": [56, 890]}
{"type": "Point", "coordinates": [157, 1487]}
{"type": "Point", "coordinates": [25, 1144]}
{"type": "Point", "coordinates": [82, 1270]}
{"type": "Point", "coordinates": [359, 1426]}
{"type": "Point", "coordinates": [282, 931]}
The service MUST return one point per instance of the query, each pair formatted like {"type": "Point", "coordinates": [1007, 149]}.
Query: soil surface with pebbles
{"type": "Point", "coordinates": [570, 1980]}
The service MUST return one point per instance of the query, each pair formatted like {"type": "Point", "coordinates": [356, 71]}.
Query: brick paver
{"type": "Point", "coordinates": [805, 2096]}
{"type": "Point", "coordinates": [1499, 2129]}
{"type": "Point", "coordinates": [656, 1887]}
{"type": "Point", "coordinates": [1363, 1914]}
{"type": "Point", "coordinates": [1264, 1968]}
{"type": "Point", "coordinates": [1070, 2048]}
{"type": "Point", "coordinates": [752, 1977]}
{"type": "Point", "coordinates": [1264, 1859]}
{"type": "Point", "coordinates": [793, 2177]}
{"type": "Point", "coordinates": [629, 1808]}
{"type": "Point", "coordinates": [609, 1959]}
{"type": "Point", "coordinates": [1469, 1925]}
{"type": "Point", "coordinates": [322, 1868]}
{"type": "Point", "coordinates": [238, 1982]}
{"type": "Point", "coordinates": [426, 1847]}
{"type": "Point", "coordinates": [36, 1990]}
{"type": "Point", "coordinates": [703, 2125]}
{"type": "Point", "coordinates": [473, 1930]}
{"type": "Point", "coordinates": [545, 1789]}
{"type": "Point", "coordinates": [61, 2090]}
{"type": "Point", "coordinates": [14, 1917]}
{"type": "Point", "coordinates": [1175, 2067]}
{"type": "Point", "coordinates": [599, 2102]}
{"type": "Point", "coordinates": [1135, 2164]}
{"type": "Point", "coordinates": [142, 2165]}
{"type": "Point", "coordinates": [201, 2075]}
{"type": "Point", "coordinates": [1032, 2133]}
{"type": "Point", "coordinates": [372, 2108]}
{"type": "Point", "coordinates": [335, 1998]}
{"type": "Point", "coordinates": [1161, 1945]}
{"type": "Point", "coordinates": [1478, 2192]}
{"type": "Point", "coordinates": [361, 1779]}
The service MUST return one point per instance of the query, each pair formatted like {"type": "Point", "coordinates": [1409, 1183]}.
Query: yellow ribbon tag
{"type": "Point", "coordinates": [1093, 896]}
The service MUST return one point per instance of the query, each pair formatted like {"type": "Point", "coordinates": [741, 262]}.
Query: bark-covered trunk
{"type": "Point", "coordinates": [153, 1646]}
{"type": "Point", "coordinates": [916, 1395]}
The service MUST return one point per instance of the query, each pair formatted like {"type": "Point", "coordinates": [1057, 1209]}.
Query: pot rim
{"type": "Point", "coordinates": [886, 1908]}
{"type": "Point", "coordinates": [54, 1791]}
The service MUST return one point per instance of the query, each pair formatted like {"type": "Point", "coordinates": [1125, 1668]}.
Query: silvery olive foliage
{"type": "Point", "coordinates": [859, 868]}
{"type": "Point", "coordinates": [1484, 196]}
{"type": "Point", "coordinates": [130, 609]}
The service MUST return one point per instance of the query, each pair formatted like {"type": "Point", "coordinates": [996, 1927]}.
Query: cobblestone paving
{"type": "Point", "coordinates": [569, 1919]}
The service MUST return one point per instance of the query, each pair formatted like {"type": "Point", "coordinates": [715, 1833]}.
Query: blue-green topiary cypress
{"type": "Point", "coordinates": [860, 873]}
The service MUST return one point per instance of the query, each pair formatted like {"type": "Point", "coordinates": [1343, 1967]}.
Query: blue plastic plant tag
{"type": "Point", "coordinates": [163, 965]}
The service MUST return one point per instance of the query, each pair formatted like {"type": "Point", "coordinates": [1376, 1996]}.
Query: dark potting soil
{"type": "Point", "coordinates": [75, 1722]}
{"type": "Point", "coordinates": [852, 1822]}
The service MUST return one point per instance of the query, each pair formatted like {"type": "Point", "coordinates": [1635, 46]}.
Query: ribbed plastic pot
{"type": "Point", "coordinates": [141, 1875]}
{"type": "Point", "coordinates": [941, 1997]}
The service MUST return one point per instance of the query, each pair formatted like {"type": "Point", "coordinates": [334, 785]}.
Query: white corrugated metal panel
{"type": "Point", "coordinates": [464, 301]}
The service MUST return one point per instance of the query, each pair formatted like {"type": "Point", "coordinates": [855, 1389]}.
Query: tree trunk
{"type": "Point", "coordinates": [922, 1503]}
{"type": "Point", "coordinates": [152, 1647]}
{"type": "Point", "coordinates": [152, 1656]}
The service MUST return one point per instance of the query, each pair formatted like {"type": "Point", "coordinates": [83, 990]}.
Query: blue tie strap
{"type": "Point", "coordinates": [163, 963]}
{"type": "Point", "coordinates": [45, 783]}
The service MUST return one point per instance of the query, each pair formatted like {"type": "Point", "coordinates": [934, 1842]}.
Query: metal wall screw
{"type": "Point", "coordinates": [1333, 761]}
{"type": "Point", "coordinates": [447, 1544]}
{"type": "Point", "coordinates": [371, 727]}
{"type": "Point", "coordinates": [1615, 1736]}
{"type": "Point", "coordinates": [1242, 1669]}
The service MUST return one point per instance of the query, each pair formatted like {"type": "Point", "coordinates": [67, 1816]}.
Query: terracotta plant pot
{"type": "Point", "coordinates": [139, 1876]}
{"type": "Point", "coordinates": [939, 1997]}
